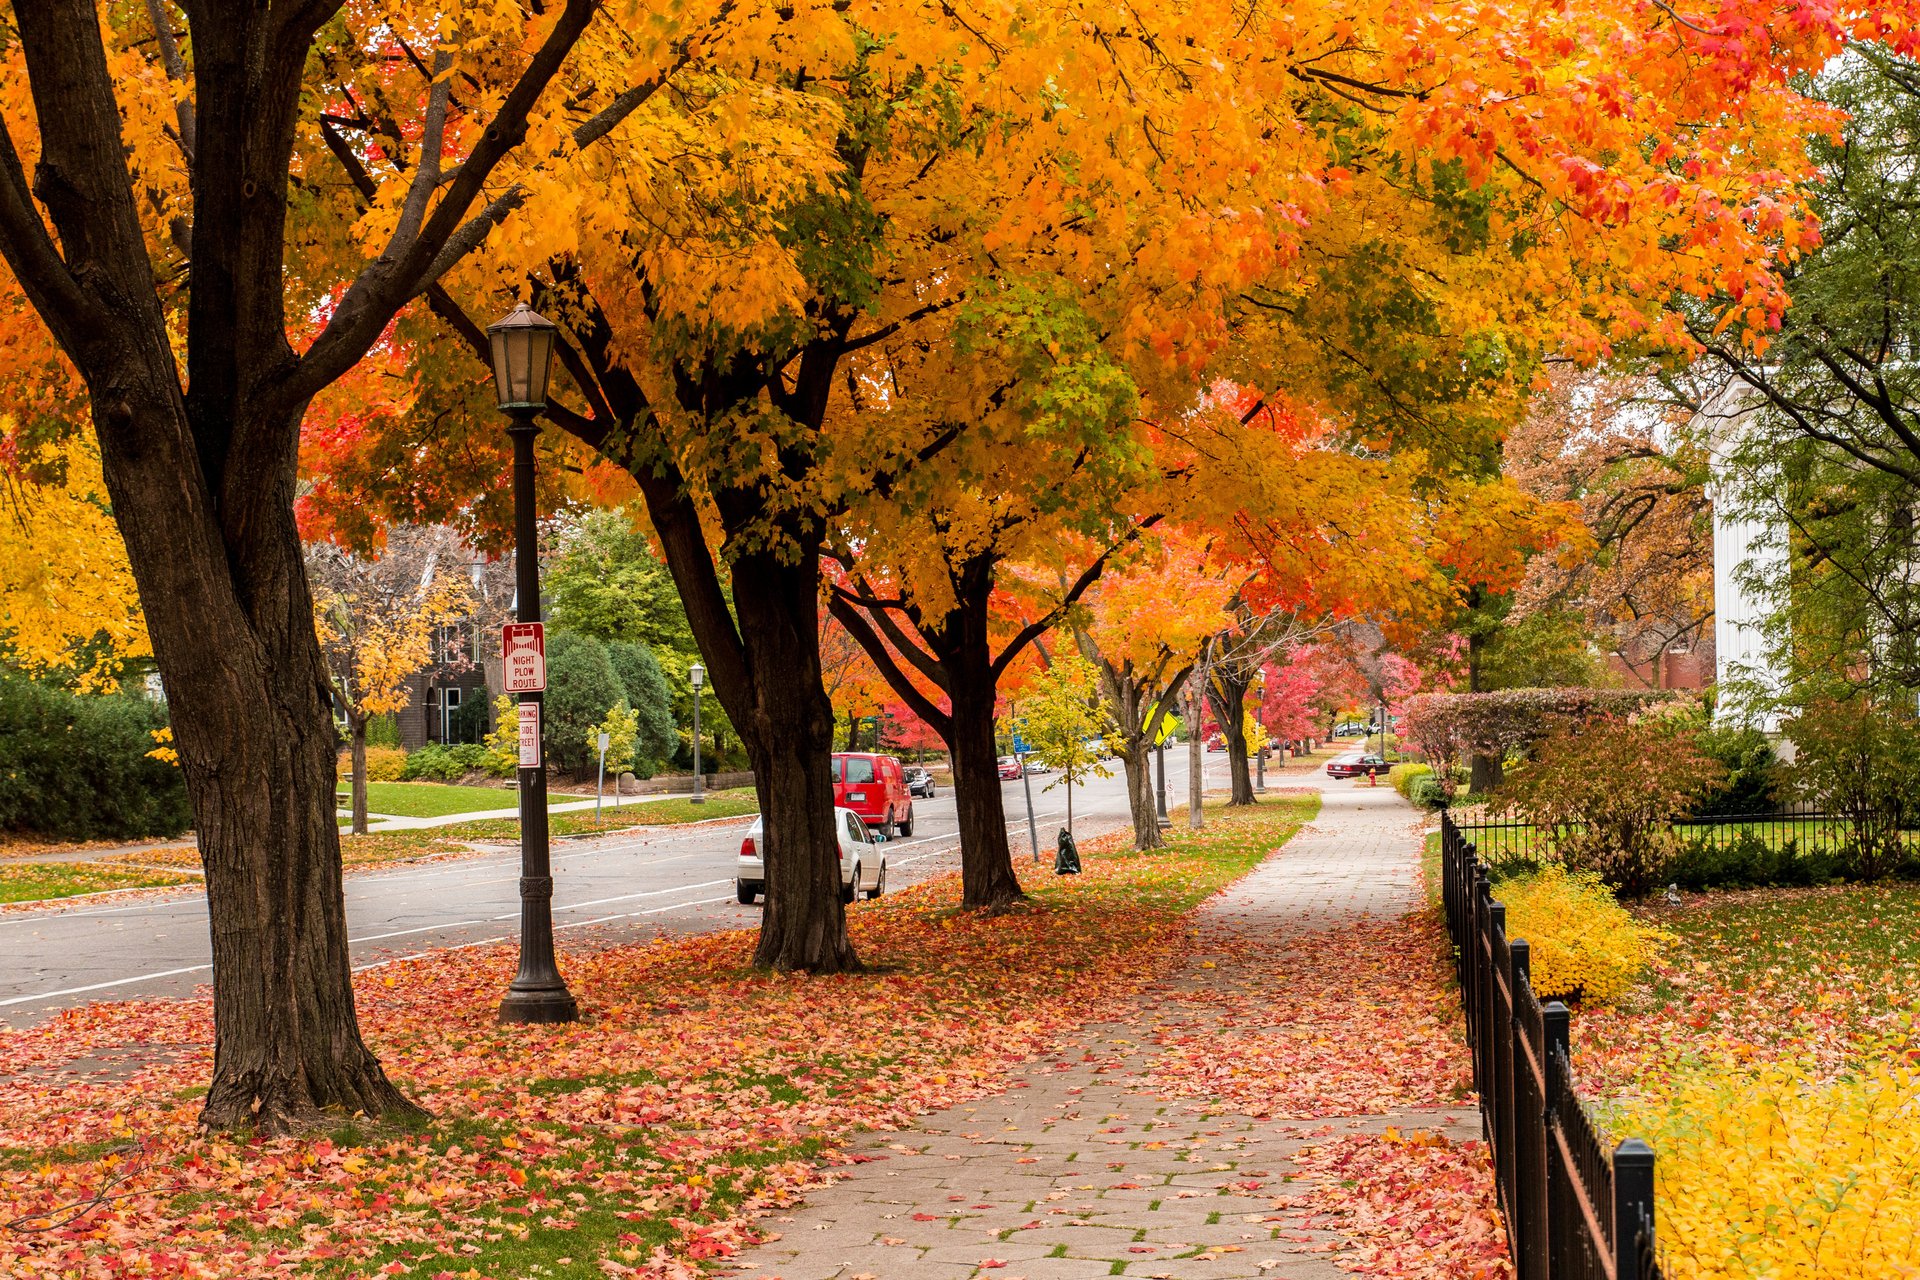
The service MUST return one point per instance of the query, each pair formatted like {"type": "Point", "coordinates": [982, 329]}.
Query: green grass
{"type": "Point", "coordinates": [653, 813]}
{"type": "Point", "coordinates": [36, 881]}
{"type": "Point", "coordinates": [436, 800]}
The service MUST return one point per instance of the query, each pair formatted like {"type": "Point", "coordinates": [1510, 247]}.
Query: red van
{"type": "Point", "coordinates": [875, 787]}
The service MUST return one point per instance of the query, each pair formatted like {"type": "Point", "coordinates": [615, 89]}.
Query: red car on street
{"type": "Point", "coordinates": [1009, 768]}
{"type": "Point", "coordinates": [875, 787]}
{"type": "Point", "coordinates": [1357, 767]}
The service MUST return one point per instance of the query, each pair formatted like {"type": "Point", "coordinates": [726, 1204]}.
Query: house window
{"type": "Point", "coordinates": [449, 707]}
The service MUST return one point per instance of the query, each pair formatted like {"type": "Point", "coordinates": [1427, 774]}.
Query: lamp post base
{"type": "Point", "coordinates": [539, 1004]}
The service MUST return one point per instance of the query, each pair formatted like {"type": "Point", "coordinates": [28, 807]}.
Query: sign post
{"type": "Point", "coordinates": [600, 782]}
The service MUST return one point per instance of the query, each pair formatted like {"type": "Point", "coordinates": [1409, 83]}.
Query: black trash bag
{"type": "Point", "coordinates": [1067, 861]}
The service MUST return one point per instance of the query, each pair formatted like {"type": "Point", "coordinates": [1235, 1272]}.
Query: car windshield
{"type": "Point", "coordinates": [856, 769]}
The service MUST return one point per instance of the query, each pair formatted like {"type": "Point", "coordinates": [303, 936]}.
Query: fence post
{"type": "Point", "coordinates": [1632, 1206]}
{"type": "Point", "coordinates": [1555, 1017]}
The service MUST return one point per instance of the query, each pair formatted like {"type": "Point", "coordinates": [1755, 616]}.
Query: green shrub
{"type": "Point", "coordinates": [1751, 771]}
{"type": "Point", "coordinates": [76, 766]}
{"type": "Point", "coordinates": [1747, 860]}
{"type": "Point", "coordinates": [1427, 792]}
{"type": "Point", "coordinates": [1404, 776]}
{"type": "Point", "coordinates": [581, 689]}
{"type": "Point", "coordinates": [648, 697]}
{"type": "Point", "coordinates": [1858, 758]}
{"type": "Point", "coordinates": [441, 763]}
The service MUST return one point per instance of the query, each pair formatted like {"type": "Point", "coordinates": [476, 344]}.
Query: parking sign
{"type": "Point", "coordinates": [529, 735]}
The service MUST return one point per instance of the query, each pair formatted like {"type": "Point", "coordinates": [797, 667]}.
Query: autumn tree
{"type": "Point", "coordinates": [1062, 715]}
{"type": "Point", "coordinates": [377, 618]}
{"type": "Point", "coordinates": [1611, 443]}
{"type": "Point", "coordinates": [167, 215]}
{"type": "Point", "coordinates": [1140, 634]}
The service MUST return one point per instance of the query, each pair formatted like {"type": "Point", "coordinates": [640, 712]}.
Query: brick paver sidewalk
{"type": "Point", "coordinates": [1082, 1168]}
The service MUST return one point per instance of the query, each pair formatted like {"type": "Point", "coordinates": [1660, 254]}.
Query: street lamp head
{"type": "Point", "coordinates": [522, 357]}
{"type": "Point", "coordinates": [697, 674]}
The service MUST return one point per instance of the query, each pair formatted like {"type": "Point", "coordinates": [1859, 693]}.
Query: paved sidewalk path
{"type": "Point", "coordinates": [1111, 1158]}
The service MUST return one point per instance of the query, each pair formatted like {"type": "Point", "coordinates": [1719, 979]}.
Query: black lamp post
{"type": "Point", "coordinates": [522, 358]}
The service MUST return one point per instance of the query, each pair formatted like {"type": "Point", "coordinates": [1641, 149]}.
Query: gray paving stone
{"type": "Point", "coordinates": [1080, 1145]}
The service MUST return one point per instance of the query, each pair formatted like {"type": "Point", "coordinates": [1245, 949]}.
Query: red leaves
{"type": "Point", "coordinates": [691, 1077]}
{"type": "Point", "coordinates": [1353, 1021]}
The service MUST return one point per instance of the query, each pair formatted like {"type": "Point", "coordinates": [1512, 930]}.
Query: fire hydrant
{"type": "Point", "coordinates": [1373, 778]}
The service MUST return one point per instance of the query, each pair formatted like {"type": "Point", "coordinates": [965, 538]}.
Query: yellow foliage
{"type": "Point", "coordinates": [1779, 1175]}
{"type": "Point", "coordinates": [1583, 943]}
{"type": "Point", "coordinates": [64, 578]}
{"type": "Point", "coordinates": [163, 750]}
{"type": "Point", "coordinates": [503, 743]}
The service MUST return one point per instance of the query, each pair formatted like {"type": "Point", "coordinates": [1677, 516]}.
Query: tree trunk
{"type": "Point", "coordinates": [987, 879]}
{"type": "Point", "coordinates": [1484, 770]}
{"type": "Point", "coordinates": [789, 738]}
{"type": "Point", "coordinates": [358, 725]}
{"type": "Point", "coordinates": [960, 644]}
{"type": "Point", "coordinates": [1146, 817]}
{"type": "Point", "coordinates": [232, 628]}
{"type": "Point", "coordinates": [1228, 694]}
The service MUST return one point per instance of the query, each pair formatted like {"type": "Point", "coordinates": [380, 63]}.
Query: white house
{"type": "Point", "coordinates": [1747, 545]}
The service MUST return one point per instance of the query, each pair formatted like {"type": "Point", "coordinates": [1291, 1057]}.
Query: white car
{"type": "Point", "coordinates": [863, 860]}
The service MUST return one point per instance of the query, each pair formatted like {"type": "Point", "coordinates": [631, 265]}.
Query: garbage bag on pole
{"type": "Point", "coordinates": [1066, 862]}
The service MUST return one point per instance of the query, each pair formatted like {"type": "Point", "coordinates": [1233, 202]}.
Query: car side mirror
{"type": "Point", "coordinates": [878, 837]}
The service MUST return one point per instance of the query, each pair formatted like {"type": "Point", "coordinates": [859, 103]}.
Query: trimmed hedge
{"type": "Point", "coordinates": [76, 767]}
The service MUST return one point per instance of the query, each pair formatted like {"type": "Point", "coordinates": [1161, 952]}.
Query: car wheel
{"type": "Point", "coordinates": [847, 890]}
{"type": "Point", "coordinates": [879, 882]}
{"type": "Point", "coordinates": [746, 892]}
{"type": "Point", "coordinates": [906, 828]}
{"type": "Point", "coordinates": [887, 828]}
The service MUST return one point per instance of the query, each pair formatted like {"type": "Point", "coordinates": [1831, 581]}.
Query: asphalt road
{"type": "Point", "coordinates": [622, 887]}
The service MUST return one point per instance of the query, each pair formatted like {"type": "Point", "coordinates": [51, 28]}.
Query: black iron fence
{"type": "Point", "coordinates": [1509, 847]}
{"type": "Point", "coordinates": [1574, 1209]}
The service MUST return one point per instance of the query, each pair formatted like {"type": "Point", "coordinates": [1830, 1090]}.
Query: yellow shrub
{"type": "Point", "coordinates": [1583, 942]}
{"type": "Point", "coordinates": [384, 764]}
{"type": "Point", "coordinates": [1786, 1177]}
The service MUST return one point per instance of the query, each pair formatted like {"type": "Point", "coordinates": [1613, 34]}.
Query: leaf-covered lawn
{"type": "Point", "coordinates": [637, 1141]}
{"type": "Point", "coordinates": [34, 881]}
{"type": "Point", "coordinates": [1820, 978]}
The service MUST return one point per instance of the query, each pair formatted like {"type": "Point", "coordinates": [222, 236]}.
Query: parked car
{"type": "Point", "coordinates": [1357, 766]}
{"type": "Point", "coordinates": [919, 782]}
{"type": "Point", "coordinates": [875, 787]}
{"type": "Point", "coordinates": [1009, 768]}
{"type": "Point", "coordinates": [863, 860]}
{"type": "Point", "coordinates": [1035, 766]}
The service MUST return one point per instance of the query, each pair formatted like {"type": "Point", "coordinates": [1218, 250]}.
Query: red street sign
{"type": "Point", "coordinates": [523, 647]}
